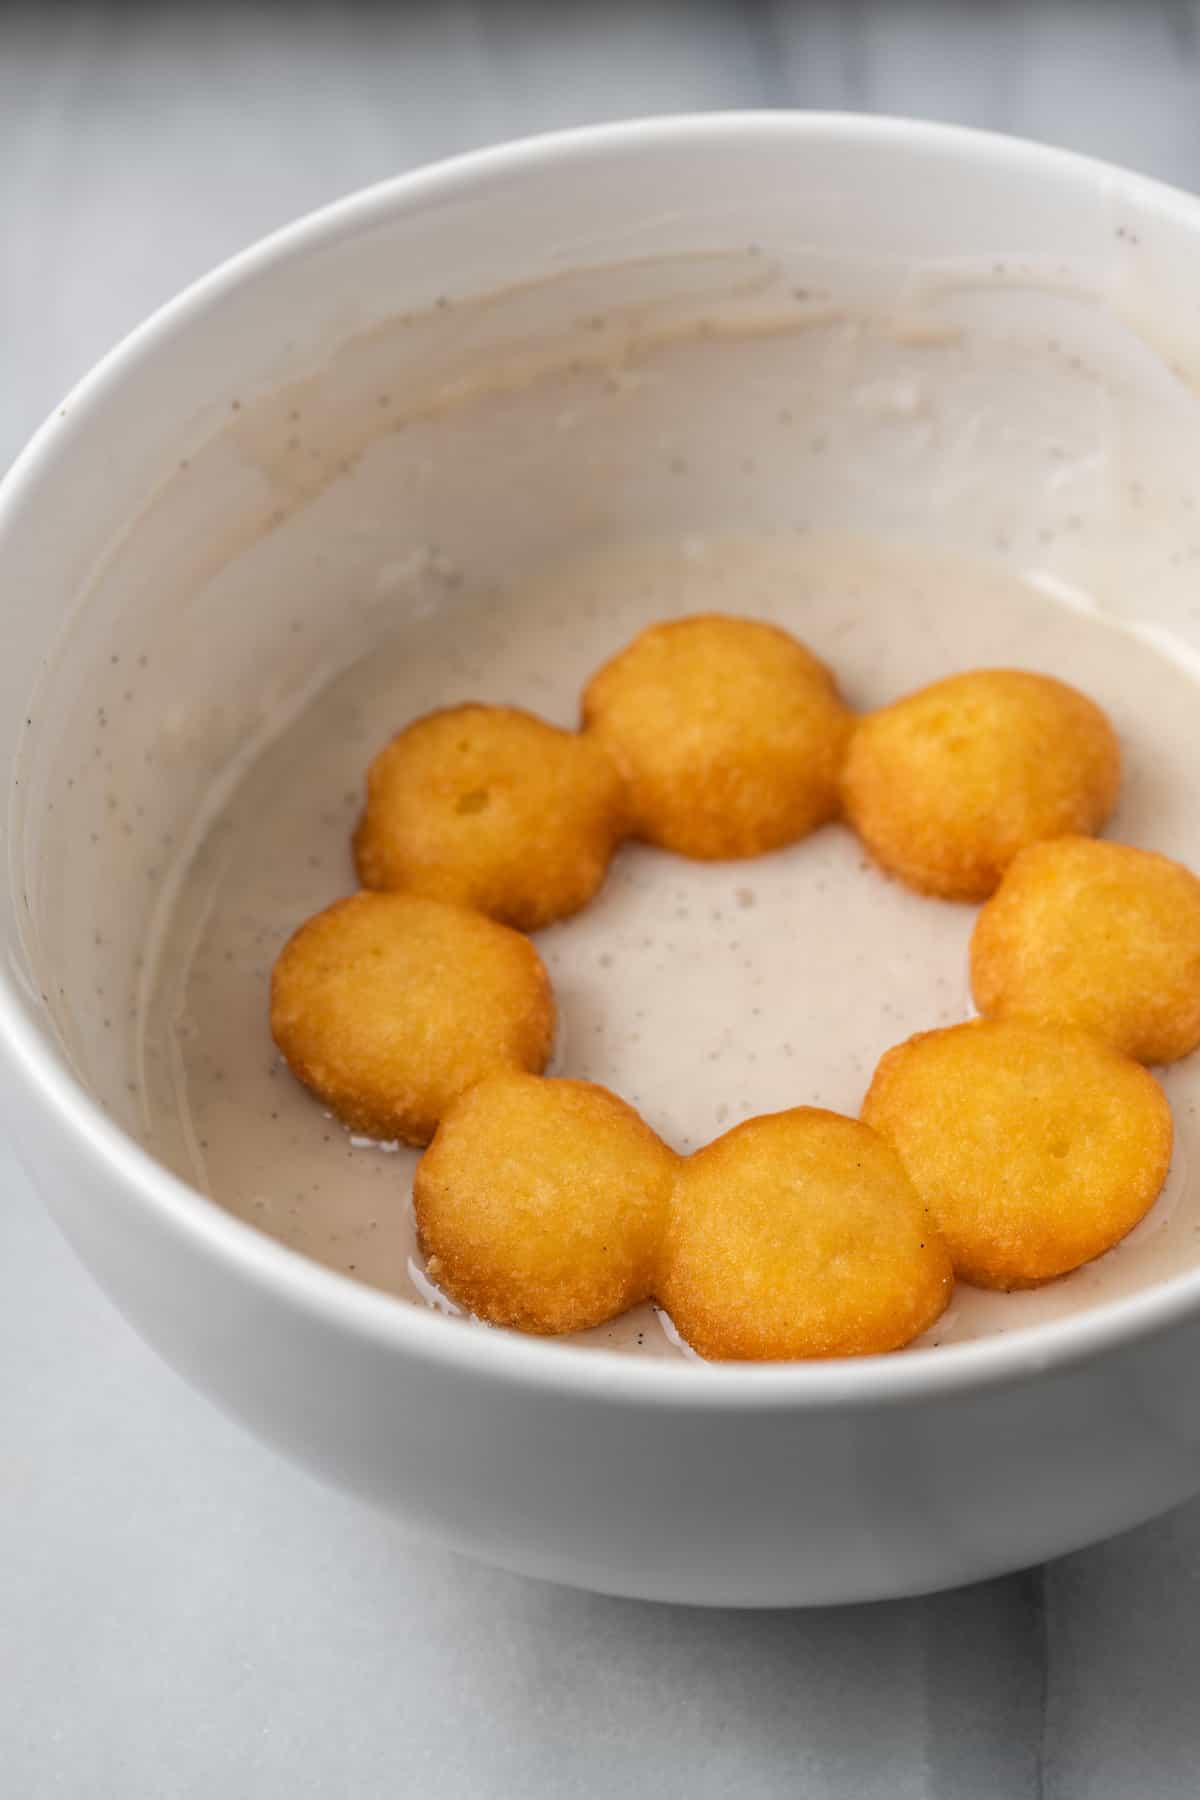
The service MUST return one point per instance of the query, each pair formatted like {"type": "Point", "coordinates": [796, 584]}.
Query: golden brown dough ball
{"type": "Point", "coordinates": [389, 1006]}
{"type": "Point", "coordinates": [729, 733]}
{"type": "Point", "coordinates": [491, 807]}
{"type": "Point", "coordinates": [799, 1234]}
{"type": "Point", "coordinates": [1035, 1147]}
{"type": "Point", "coordinates": [947, 785]}
{"type": "Point", "coordinates": [1081, 932]}
{"type": "Point", "coordinates": [541, 1204]}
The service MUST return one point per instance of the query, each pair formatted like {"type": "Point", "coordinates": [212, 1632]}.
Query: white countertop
{"type": "Point", "coordinates": [181, 1614]}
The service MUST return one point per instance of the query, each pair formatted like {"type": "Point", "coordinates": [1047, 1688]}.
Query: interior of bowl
{"type": "Point", "coordinates": [918, 397]}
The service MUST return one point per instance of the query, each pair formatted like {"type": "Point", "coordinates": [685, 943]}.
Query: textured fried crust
{"type": "Point", "coordinates": [493, 808]}
{"type": "Point", "coordinates": [799, 1234]}
{"type": "Point", "coordinates": [730, 735]}
{"type": "Point", "coordinates": [541, 1204]}
{"type": "Point", "coordinates": [948, 784]}
{"type": "Point", "coordinates": [389, 1007]}
{"type": "Point", "coordinates": [1035, 1147]}
{"type": "Point", "coordinates": [1087, 933]}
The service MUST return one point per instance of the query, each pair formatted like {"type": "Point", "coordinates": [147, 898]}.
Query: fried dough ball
{"type": "Point", "coordinates": [729, 733]}
{"type": "Point", "coordinates": [389, 1006]}
{"type": "Point", "coordinates": [797, 1235]}
{"type": "Point", "coordinates": [1035, 1147]}
{"type": "Point", "coordinates": [946, 786]}
{"type": "Point", "coordinates": [1082, 932]}
{"type": "Point", "coordinates": [491, 807]}
{"type": "Point", "coordinates": [541, 1204]}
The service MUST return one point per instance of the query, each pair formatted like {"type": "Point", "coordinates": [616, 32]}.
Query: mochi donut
{"type": "Point", "coordinates": [798, 1234]}
{"type": "Point", "coordinates": [945, 786]}
{"type": "Point", "coordinates": [541, 1204]}
{"type": "Point", "coordinates": [493, 808]}
{"type": "Point", "coordinates": [389, 1006]}
{"type": "Point", "coordinates": [1083, 932]}
{"type": "Point", "coordinates": [1035, 1147]}
{"type": "Point", "coordinates": [729, 733]}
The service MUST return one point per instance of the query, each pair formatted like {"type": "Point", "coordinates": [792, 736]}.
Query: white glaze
{"type": "Point", "coordinates": [703, 993]}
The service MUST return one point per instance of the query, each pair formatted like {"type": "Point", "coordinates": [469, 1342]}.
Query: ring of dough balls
{"type": "Point", "coordinates": [541, 1204]}
{"type": "Point", "coordinates": [945, 786]}
{"type": "Point", "coordinates": [798, 1234]}
{"type": "Point", "coordinates": [1082, 932]}
{"type": "Point", "coordinates": [1008, 1151]}
{"type": "Point", "coordinates": [389, 1006]}
{"type": "Point", "coordinates": [1035, 1147]}
{"type": "Point", "coordinates": [729, 733]}
{"type": "Point", "coordinates": [491, 807]}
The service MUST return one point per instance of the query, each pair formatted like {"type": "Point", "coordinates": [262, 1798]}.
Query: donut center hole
{"type": "Point", "coordinates": [706, 993]}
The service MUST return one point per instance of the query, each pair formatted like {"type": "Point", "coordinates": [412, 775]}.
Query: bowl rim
{"type": "Point", "coordinates": [392, 1324]}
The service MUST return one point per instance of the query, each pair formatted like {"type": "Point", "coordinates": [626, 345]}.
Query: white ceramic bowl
{"type": "Point", "coordinates": [158, 537]}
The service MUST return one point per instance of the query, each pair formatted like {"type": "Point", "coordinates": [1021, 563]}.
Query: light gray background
{"type": "Point", "coordinates": [180, 1614]}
